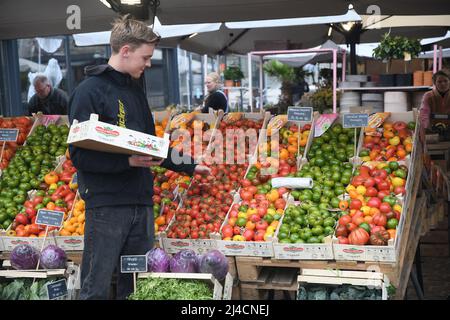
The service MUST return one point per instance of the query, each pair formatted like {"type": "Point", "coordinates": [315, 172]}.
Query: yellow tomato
{"type": "Point", "coordinates": [238, 237]}
{"type": "Point", "coordinates": [365, 210]}
{"type": "Point", "coordinates": [361, 190]}
{"type": "Point", "coordinates": [398, 182]}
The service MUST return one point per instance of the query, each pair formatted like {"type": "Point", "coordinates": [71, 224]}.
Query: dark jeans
{"type": "Point", "coordinates": [111, 232]}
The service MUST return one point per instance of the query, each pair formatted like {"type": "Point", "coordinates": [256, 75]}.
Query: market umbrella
{"type": "Point", "coordinates": [196, 11]}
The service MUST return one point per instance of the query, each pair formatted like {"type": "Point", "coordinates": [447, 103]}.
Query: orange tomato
{"type": "Point", "coordinates": [343, 205]}
{"type": "Point", "coordinates": [401, 153]}
{"type": "Point", "coordinates": [293, 139]}
{"type": "Point", "coordinates": [284, 154]}
{"type": "Point", "coordinates": [161, 220]}
{"type": "Point", "coordinates": [51, 206]}
{"type": "Point", "coordinates": [250, 225]}
{"type": "Point", "coordinates": [388, 134]}
{"type": "Point", "coordinates": [292, 149]}
{"type": "Point", "coordinates": [408, 147]}
{"type": "Point", "coordinates": [392, 233]}
{"type": "Point", "coordinates": [387, 126]}
{"type": "Point", "coordinates": [303, 142]}
{"type": "Point", "coordinates": [51, 177]}
{"type": "Point", "coordinates": [368, 219]}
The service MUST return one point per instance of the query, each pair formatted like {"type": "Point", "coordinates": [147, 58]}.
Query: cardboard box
{"type": "Point", "coordinates": [101, 136]}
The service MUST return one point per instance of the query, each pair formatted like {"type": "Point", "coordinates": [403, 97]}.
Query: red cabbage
{"type": "Point", "coordinates": [53, 257]}
{"type": "Point", "coordinates": [158, 260]}
{"type": "Point", "coordinates": [184, 261]}
{"type": "Point", "coordinates": [214, 262]}
{"type": "Point", "coordinates": [24, 257]}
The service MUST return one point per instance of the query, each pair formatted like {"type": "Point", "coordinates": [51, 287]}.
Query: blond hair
{"type": "Point", "coordinates": [132, 32]}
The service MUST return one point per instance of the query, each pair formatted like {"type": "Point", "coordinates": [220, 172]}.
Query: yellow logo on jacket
{"type": "Point", "coordinates": [121, 115]}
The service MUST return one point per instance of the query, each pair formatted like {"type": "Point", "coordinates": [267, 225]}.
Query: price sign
{"type": "Point", "coordinates": [355, 120]}
{"type": "Point", "coordinates": [300, 114]}
{"type": "Point", "coordinates": [9, 134]}
{"type": "Point", "coordinates": [57, 289]}
{"type": "Point", "coordinates": [50, 217]}
{"type": "Point", "coordinates": [132, 264]}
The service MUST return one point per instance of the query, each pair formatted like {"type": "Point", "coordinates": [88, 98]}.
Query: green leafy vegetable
{"type": "Point", "coordinates": [171, 289]}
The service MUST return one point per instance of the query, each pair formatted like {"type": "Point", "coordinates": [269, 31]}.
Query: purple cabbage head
{"type": "Point", "coordinates": [214, 262]}
{"type": "Point", "coordinates": [24, 257]}
{"type": "Point", "coordinates": [184, 261]}
{"type": "Point", "coordinates": [53, 257]}
{"type": "Point", "coordinates": [158, 260]}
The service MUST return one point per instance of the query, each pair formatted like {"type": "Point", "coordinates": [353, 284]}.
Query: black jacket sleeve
{"type": "Point", "coordinates": [186, 164]}
{"type": "Point", "coordinates": [33, 105]}
{"type": "Point", "coordinates": [215, 101]}
{"type": "Point", "coordinates": [63, 102]}
{"type": "Point", "coordinates": [81, 105]}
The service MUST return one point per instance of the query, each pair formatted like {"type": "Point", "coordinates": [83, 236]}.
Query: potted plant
{"type": "Point", "coordinates": [286, 75]}
{"type": "Point", "coordinates": [397, 47]}
{"type": "Point", "coordinates": [233, 76]}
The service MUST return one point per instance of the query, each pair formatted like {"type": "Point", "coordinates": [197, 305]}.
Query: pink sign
{"type": "Point", "coordinates": [323, 123]}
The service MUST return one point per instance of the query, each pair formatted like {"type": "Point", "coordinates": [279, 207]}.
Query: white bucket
{"type": "Point", "coordinates": [369, 84]}
{"type": "Point", "coordinates": [349, 84]}
{"type": "Point", "coordinates": [395, 101]}
{"type": "Point", "coordinates": [350, 99]}
{"type": "Point", "coordinates": [357, 78]}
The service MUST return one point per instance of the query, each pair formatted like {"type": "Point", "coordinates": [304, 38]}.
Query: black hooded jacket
{"type": "Point", "coordinates": [106, 179]}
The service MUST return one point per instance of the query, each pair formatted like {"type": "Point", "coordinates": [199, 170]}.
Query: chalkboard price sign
{"type": "Point", "coordinates": [9, 135]}
{"type": "Point", "coordinates": [300, 114]}
{"type": "Point", "coordinates": [50, 217]}
{"type": "Point", "coordinates": [131, 264]}
{"type": "Point", "coordinates": [355, 120]}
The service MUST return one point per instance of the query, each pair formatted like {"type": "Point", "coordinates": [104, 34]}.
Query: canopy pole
{"type": "Point", "coordinates": [334, 79]}
{"type": "Point", "coordinates": [261, 84]}
{"type": "Point", "coordinates": [250, 84]}
{"type": "Point", "coordinates": [344, 65]}
{"type": "Point", "coordinates": [434, 58]}
{"type": "Point", "coordinates": [205, 73]}
{"type": "Point", "coordinates": [440, 58]}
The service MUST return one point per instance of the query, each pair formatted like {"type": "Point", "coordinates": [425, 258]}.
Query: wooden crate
{"type": "Point", "coordinates": [71, 273]}
{"type": "Point", "coordinates": [209, 278]}
{"type": "Point", "coordinates": [374, 280]}
{"type": "Point", "coordinates": [249, 268]}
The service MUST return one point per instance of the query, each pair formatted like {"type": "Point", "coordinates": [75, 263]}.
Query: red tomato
{"type": "Point", "coordinates": [248, 235]}
{"type": "Point", "coordinates": [355, 204]}
{"type": "Point", "coordinates": [343, 240]}
{"type": "Point", "coordinates": [385, 207]}
{"type": "Point", "coordinates": [374, 202]}
{"type": "Point", "coordinates": [344, 220]}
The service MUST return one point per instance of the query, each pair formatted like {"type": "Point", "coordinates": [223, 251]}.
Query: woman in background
{"type": "Point", "coordinates": [216, 98]}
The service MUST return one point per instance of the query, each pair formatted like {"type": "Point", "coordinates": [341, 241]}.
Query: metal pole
{"type": "Point", "coordinates": [250, 84]}
{"type": "Point", "coordinates": [334, 80]}
{"type": "Point", "coordinates": [261, 83]}
{"type": "Point", "coordinates": [344, 64]}
{"type": "Point", "coordinates": [205, 73]}
{"type": "Point", "coordinates": [435, 58]}
{"type": "Point", "coordinates": [353, 68]}
{"type": "Point", "coordinates": [440, 58]}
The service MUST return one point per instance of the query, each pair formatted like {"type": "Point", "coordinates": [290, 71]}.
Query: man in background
{"type": "Point", "coordinates": [47, 99]}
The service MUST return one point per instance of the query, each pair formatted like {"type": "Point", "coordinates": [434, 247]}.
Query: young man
{"type": "Point", "coordinates": [117, 188]}
{"type": "Point", "coordinates": [47, 99]}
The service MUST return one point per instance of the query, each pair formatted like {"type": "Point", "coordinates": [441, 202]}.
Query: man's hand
{"type": "Point", "coordinates": [144, 161]}
{"type": "Point", "coordinates": [201, 169]}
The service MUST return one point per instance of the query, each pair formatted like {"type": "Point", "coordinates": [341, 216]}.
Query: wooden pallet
{"type": "Point", "coordinates": [250, 268]}
{"type": "Point", "coordinates": [269, 282]}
